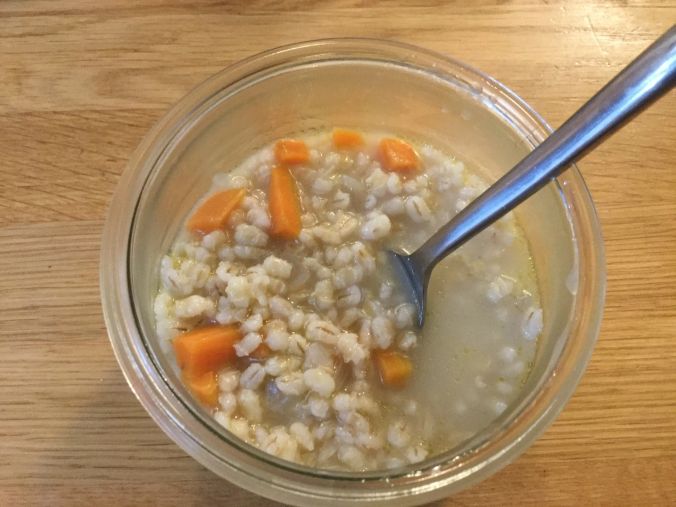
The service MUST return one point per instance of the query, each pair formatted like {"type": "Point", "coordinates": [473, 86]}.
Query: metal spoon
{"type": "Point", "coordinates": [642, 82]}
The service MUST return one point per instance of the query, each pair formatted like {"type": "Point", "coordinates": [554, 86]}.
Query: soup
{"type": "Point", "coordinates": [279, 305]}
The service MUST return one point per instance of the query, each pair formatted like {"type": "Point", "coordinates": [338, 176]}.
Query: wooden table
{"type": "Point", "coordinates": [80, 84]}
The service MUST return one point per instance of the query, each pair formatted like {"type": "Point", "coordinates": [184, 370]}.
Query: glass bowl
{"type": "Point", "coordinates": [369, 84]}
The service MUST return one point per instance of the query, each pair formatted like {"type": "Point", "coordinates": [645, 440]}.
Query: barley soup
{"type": "Point", "coordinates": [278, 305]}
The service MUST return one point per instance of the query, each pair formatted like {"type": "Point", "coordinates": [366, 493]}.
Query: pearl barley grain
{"type": "Point", "coordinates": [319, 380]}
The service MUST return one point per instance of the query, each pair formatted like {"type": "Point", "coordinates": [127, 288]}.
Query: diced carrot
{"type": "Point", "coordinates": [283, 204]}
{"type": "Point", "coordinates": [291, 152]}
{"type": "Point", "coordinates": [393, 367]}
{"type": "Point", "coordinates": [214, 212]}
{"type": "Point", "coordinates": [206, 349]}
{"type": "Point", "coordinates": [398, 156]}
{"type": "Point", "coordinates": [204, 387]}
{"type": "Point", "coordinates": [347, 139]}
{"type": "Point", "coordinates": [261, 353]}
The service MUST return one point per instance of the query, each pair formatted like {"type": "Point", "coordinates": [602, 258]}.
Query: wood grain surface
{"type": "Point", "coordinates": [81, 82]}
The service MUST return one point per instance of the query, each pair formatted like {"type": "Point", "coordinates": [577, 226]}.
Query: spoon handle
{"type": "Point", "coordinates": [643, 81]}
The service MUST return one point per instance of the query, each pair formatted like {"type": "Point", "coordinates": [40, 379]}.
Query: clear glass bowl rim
{"type": "Point", "coordinates": [265, 476]}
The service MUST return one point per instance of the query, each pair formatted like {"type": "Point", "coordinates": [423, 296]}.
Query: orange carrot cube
{"type": "Point", "coordinates": [398, 156]}
{"type": "Point", "coordinates": [213, 213]}
{"type": "Point", "coordinates": [204, 387]}
{"type": "Point", "coordinates": [345, 139]}
{"type": "Point", "coordinates": [283, 204]}
{"type": "Point", "coordinates": [206, 349]}
{"type": "Point", "coordinates": [291, 152]}
{"type": "Point", "coordinates": [393, 367]}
